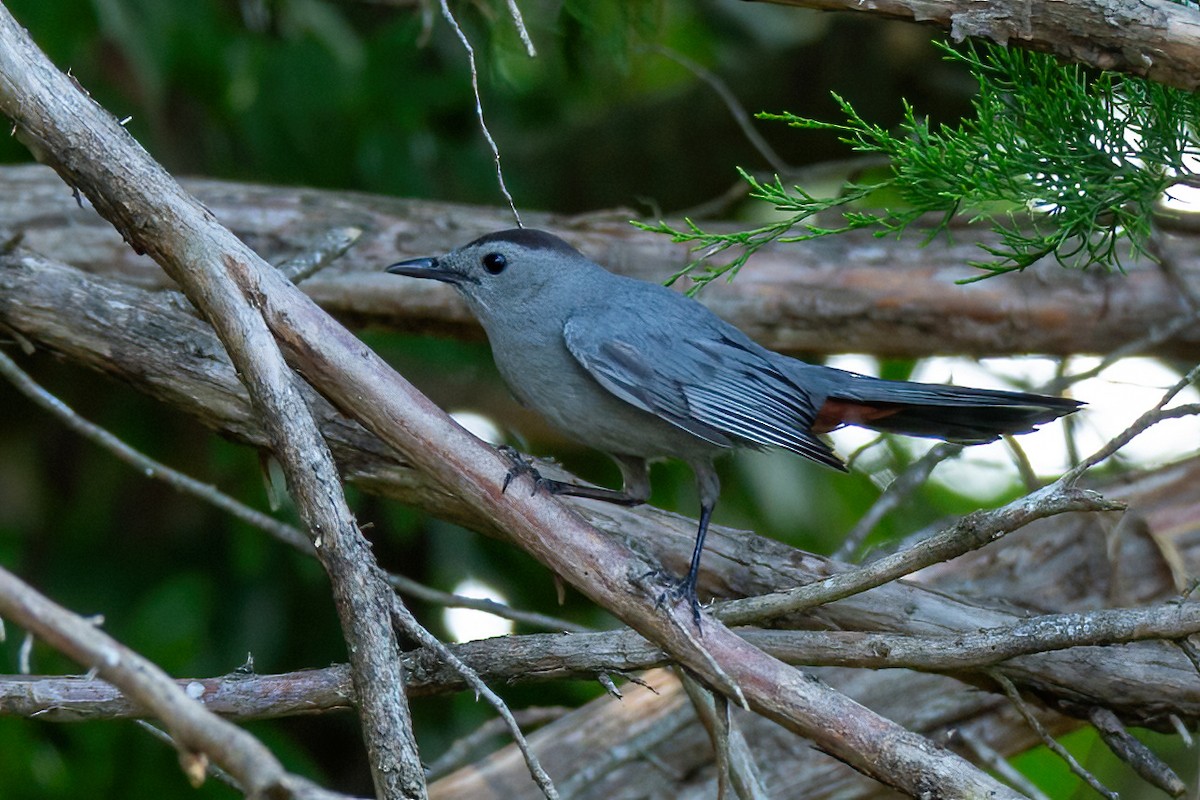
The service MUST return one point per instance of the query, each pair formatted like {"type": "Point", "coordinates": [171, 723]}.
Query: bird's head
{"type": "Point", "coordinates": [508, 271]}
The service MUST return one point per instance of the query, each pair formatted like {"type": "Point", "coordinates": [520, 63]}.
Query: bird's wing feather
{"type": "Point", "coordinates": [710, 383]}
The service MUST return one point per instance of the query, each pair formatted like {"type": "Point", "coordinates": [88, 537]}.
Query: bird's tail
{"type": "Point", "coordinates": [953, 413]}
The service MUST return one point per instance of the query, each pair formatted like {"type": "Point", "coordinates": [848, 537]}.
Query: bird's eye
{"type": "Point", "coordinates": [495, 263]}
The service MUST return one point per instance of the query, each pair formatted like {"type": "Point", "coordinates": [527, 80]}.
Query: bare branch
{"type": "Point", "coordinates": [852, 293]}
{"type": "Point", "coordinates": [404, 620]}
{"type": "Point", "coordinates": [972, 531]}
{"type": "Point", "coordinates": [1134, 753]}
{"type": "Point", "coordinates": [899, 490]}
{"type": "Point", "coordinates": [1154, 38]}
{"type": "Point", "coordinates": [1050, 742]}
{"type": "Point", "coordinates": [487, 134]}
{"type": "Point", "coordinates": [547, 657]}
{"type": "Point", "coordinates": [198, 733]}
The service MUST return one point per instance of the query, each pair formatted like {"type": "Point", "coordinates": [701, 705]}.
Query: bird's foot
{"type": "Point", "coordinates": [683, 589]}
{"type": "Point", "coordinates": [520, 465]}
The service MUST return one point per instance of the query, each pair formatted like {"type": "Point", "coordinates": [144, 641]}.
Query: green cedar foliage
{"type": "Point", "coordinates": [1058, 161]}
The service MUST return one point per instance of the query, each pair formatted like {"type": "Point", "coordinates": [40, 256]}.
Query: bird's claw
{"type": "Point", "coordinates": [681, 589]}
{"type": "Point", "coordinates": [520, 465]}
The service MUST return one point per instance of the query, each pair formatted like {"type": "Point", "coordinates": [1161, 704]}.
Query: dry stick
{"type": "Point", "coordinates": [1143, 760]}
{"type": "Point", "coordinates": [899, 490]}
{"type": "Point", "coordinates": [970, 533]}
{"type": "Point", "coordinates": [1003, 767]}
{"type": "Point", "coordinates": [1141, 424]}
{"type": "Point", "coordinates": [403, 619]}
{"type": "Point", "coordinates": [713, 719]}
{"type": "Point", "coordinates": [283, 531]}
{"type": "Point", "coordinates": [487, 134]}
{"type": "Point", "coordinates": [420, 591]}
{"type": "Point", "coordinates": [463, 751]}
{"type": "Point", "coordinates": [515, 12]}
{"type": "Point", "coordinates": [1027, 714]}
{"type": "Point", "coordinates": [198, 734]}
{"type": "Point", "coordinates": [67, 130]}
{"type": "Point", "coordinates": [735, 760]}
{"type": "Point", "coordinates": [327, 248]}
{"type": "Point", "coordinates": [736, 109]}
{"type": "Point", "coordinates": [545, 657]}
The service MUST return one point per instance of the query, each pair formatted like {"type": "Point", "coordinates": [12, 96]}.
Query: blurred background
{"type": "Point", "coordinates": [375, 96]}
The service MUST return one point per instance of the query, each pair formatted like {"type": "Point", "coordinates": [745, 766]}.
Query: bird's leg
{"type": "Point", "coordinates": [686, 588]}
{"type": "Point", "coordinates": [522, 466]}
{"type": "Point", "coordinates": [709, 488]}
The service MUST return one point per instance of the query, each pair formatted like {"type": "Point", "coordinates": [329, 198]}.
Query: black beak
{"type": "Point", "coordinates": [425, 268]}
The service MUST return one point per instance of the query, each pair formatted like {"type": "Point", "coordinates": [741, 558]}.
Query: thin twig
{"type": "Point", "coordinates": [1027, 714]}
{"type": "Point", "coordinates": [403, 619]}
{"type": "Point", "coordinates": [904, 486]}
{"type": "Point", "coordinates": [969, 533]}
{"type": "Point", "coordinates": [736, 109]}
{"type": "Point", "coordinates": [1023, 464]}
{"type": "Point", "coordinates": [1147, 420]}
{"type": "Point", "coordinates": [487, 134]}
{"type": "Point", "coordinates": [146, 466]}
{"type": "Point", "coordinates": [420, 591]}
{"type": "Point", "coordinates": [468, 748]}
{"type": "Point", "coordinates": [736, 766]}
{"type": "Point", "coordinates": [327, 248]}
{"type": "Point", "coordinates": [515, 12]}
{"type": "Point", "coordinates": [1003, 767]}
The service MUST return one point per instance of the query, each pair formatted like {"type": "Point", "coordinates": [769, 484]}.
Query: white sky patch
{"type": "Point", "coordinates": [467, 624]}
{"type": "Point", "coordinates": [480, 425]}
{"type": "Point", "coordinates": [1180, 196]}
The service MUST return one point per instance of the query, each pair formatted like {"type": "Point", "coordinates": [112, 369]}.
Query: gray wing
{"type": "Point", "coordinates": [712, 384]}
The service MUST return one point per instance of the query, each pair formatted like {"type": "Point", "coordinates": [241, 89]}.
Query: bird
{"type": "Point", "coordinates": [643, 372]}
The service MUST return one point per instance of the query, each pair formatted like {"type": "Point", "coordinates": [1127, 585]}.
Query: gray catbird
{"type": "Point", "coordinates": [641, 372]}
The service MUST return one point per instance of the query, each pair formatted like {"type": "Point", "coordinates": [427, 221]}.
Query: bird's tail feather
{"type": "Point", "coordinates": [953, 413]}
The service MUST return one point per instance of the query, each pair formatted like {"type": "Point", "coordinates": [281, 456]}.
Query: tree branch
{"type": "Point", "coordinates": [851, 293]}
{"type": "Point", "coordinates": [1156, 39]}
{"type": "Point", "coordinates": [583, 656]}
{"type": "Point", "coordinates": [198, 734]}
